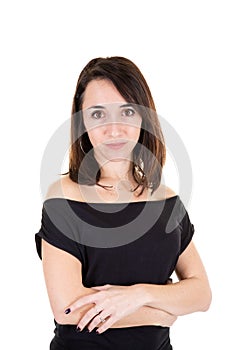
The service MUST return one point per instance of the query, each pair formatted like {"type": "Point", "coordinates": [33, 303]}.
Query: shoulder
{"type": "Point", "coordinates": [169, 192]}
{"type": "Point", "coordinates": [163, 192]}
{"type": "Point", "coordinates": [64, 187]}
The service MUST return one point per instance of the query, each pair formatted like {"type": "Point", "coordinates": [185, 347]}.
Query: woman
{"type": "Point", "coordinates": [111, 233]}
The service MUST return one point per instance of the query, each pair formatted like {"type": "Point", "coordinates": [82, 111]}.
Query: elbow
{"type": "Point", "coordinates": [206, 300]}
{"type": "Point", "coordinates": [62, 318]}
{"type": "Point", "coordinates": [59, 308]}
{"type": "Point", "coordinates": [208, 303]}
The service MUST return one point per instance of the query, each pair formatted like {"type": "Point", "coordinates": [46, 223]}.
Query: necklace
{"type": "Point", "coordinates": [139, 171]}
{"type": "Point", "coordinates": [118, 193]}
{"type": "Point", "coordinates": [118, 188]}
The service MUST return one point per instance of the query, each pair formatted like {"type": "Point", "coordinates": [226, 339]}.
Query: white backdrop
{"type": "Point", "coordinates": [184, 49]}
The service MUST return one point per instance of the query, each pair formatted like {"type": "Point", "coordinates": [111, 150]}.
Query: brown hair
{"type": "Point", "coordinates": [131, 84]}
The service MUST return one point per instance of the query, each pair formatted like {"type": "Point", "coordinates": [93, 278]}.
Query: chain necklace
{"type": "Point", "coordinates": [117, 188]}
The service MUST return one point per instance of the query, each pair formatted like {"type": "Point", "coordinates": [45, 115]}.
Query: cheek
{"type": "Point", "coordinates": [95, 137]}
{"type": "Point", "coordinates": [134, 133]}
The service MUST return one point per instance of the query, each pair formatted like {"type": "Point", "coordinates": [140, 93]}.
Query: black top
{"type": "Point", "coordinates": [122, 244]}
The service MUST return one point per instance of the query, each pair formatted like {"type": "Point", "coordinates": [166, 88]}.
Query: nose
{"type": "Point", "coordinates": [114, 130]}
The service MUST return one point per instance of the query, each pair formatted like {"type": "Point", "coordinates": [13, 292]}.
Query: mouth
{"type": "Point", "coordinates": [115, 145]}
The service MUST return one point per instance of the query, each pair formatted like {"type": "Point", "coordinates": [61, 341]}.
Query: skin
{"type": "Point", "coordinates": [121, 306]}
{"type": "Point", "coordinates": [114, 124]}
{"type": "Point", "coordinates": [190, 294]}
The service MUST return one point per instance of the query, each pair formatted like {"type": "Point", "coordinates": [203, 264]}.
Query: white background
{"type": "Point", "coordinates": [184, 49]}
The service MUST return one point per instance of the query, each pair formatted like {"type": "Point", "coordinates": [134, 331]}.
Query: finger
{"type": "Point", "coordinates": [106, 286]}
{"type": "Point", "coordinates": [87, 318]}
{"type": "Point", "coordinates": [87, 299]}
{"type": "Point", "coordinates": [98, 321]}
{"type": "Point", "coordinates": [107, 324]}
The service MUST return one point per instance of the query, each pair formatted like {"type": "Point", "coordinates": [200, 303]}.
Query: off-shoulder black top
{"type": "Point", "coordinates": [122, 244]}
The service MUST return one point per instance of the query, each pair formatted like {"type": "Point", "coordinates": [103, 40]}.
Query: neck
{"type": "Point", "coordinates": [115, 171]}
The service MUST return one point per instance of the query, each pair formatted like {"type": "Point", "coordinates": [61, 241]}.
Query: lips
{"type": "Point", "coordinates": [117, 145]}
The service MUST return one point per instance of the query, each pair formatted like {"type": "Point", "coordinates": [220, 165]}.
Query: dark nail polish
{"type": "Point", "coordinates": [78, 330]}
{"type": "Point", "coordinates": [67, 311]}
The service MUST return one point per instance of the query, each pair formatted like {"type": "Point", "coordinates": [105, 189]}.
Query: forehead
{"type": "Point", "coordinates": [101, 92]}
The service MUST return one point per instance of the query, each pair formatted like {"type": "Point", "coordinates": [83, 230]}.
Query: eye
{"type": "Point", "coordinates": [128, 112]}
{"type": "Point", "coordinates": [97, 114]}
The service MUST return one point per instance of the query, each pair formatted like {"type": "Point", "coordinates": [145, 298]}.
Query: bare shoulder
{"type": "Point", "coordinates": [163, 192]}
{"type": "Point", "coordinates": [169, 192]}
{"type": "Point", "coordinates": [64, 187]}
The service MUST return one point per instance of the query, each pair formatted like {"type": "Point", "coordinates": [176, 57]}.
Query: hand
{"type": "Point", "coordinates": [112, 303]}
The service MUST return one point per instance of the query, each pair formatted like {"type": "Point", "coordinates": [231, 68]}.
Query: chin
{"type": "Point", "coordinates": [117, 159]}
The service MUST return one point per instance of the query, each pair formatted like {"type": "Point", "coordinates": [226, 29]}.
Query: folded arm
{"type": "Point", "coordinates": [63, 278]}
{"type": "Point", "coordinates": [192, 293]}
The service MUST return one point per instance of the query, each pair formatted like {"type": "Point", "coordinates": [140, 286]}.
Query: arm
{"type": "Point", "coordinates": [146, 316]}
{"type": "Point", "coordinates": [192, 292]}
{"type": "Point", "coordinates": [63, 280]}
{"type": "Point", "coordinates": [62, 273]}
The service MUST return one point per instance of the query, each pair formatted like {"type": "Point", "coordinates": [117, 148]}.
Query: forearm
{"type": "Point", "coordinates": [146, 316]}
{"type": "Point", "coordinates": [184, 297]}
{"type": "Point", "coordinates": [74, 317]}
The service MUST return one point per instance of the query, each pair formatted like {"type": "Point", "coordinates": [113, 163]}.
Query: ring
{"type": "Point", "coordinates": [102, 319]}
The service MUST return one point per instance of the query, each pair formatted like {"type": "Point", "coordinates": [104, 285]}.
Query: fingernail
{"type": "Point", "coordinates": [78, 330]}
{"type": "Point", "coordinates": [67, 311]}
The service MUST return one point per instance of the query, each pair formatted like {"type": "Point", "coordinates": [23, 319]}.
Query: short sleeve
{"type": "Point", "coordinates": [187, 231]}
{"type": "Point", "coordinates": [55, 229]}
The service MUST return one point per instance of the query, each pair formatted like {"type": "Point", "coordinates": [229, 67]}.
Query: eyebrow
{"type": "Point", "coordinates": [102, 107]}
{"type": "Point", "coordinates": [95, 107]}
{"type": "Point", "coordinates": [126, 105]}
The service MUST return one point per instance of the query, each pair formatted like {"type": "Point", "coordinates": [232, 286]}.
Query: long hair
{"type": "Point", "coordinates": [150, 149]}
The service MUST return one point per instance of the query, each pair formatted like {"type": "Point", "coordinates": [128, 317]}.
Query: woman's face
{"type": "Point", "coordinates": [113, 125]}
